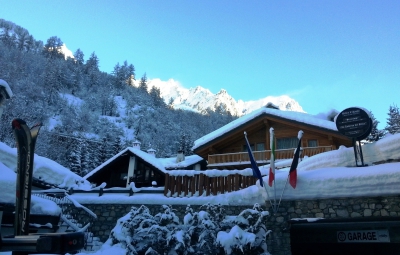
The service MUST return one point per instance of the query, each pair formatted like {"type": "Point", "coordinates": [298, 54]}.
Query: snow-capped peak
{"type": "Point", "coordinates": [200, 99]}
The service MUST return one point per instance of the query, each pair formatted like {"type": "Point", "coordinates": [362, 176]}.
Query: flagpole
{"type": "Point", "coordinates": [293, 166]}
{"type": "Point", "coordinates": [272, 205]}
{"type": "Point", "coordinates": [287, 179]}
{"type": "Point", "coordinates": [272, 161]}
{"type": "Point", "coordinates": [273, 208]}
{"type": "Point", "coordinates": [252, 156]}
{"type": "Point", "coordinates": [276, 208]}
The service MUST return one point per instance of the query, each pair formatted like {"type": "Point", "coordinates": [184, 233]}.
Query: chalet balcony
{"type": "Point", "coordinates": [240, 160]}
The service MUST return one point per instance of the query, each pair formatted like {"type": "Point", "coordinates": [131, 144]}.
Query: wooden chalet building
{"type": "Point", "coordinates": [225, 147]}
{"type": "Point", "coordinates": [143, 168]}
{"type": "Point", "coordinates": [131, 164]}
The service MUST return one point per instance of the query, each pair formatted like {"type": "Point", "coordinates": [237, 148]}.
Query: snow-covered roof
{"type": "Point", "coordinates": [170, 163]}
{"type": "Point", "coordinates": [160, 163]}
{"type": "Point", "coordinates": [314, 120]}
{"type": "Point", "coordinates": [43, 169]}
{"type": "Point", "coordinates": [149, 158]}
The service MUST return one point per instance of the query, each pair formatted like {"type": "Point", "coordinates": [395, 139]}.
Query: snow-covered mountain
{"type": "Point", "coordinates": [200, 99]}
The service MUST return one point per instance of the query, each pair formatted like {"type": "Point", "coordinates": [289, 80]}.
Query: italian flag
{"type": "Point", "coordinates": [271, 178]}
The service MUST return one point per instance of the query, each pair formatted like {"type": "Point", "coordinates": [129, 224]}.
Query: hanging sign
{"type": "Point", "coordinates": [354, 122]}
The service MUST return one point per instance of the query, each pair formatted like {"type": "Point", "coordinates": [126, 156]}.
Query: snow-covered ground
{"type": "Point", "coordinates": [327, 175]}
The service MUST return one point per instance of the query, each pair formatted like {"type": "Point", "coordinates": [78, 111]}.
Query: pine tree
{"type": "Point", "coordinates": [375, 134]}
{"type": "Point", "coordinates": [92, 64]}
{"type": "Point", "coordinates": [155, 94]}
{"type": "Point", "coordinates": [143, 83]}
{"type": "Point", "coordinates": [117, 146]}
{"type": "Point", "coordinates": [131, 72]}
{"type": "Point", "coordinates": [95, 158]}
{"type": "Point", "coordinates": [85, 158]}
{"type": "Point", "coordinates": [118, 76]}
{"type": "Point", "coordinates": [104, 154]}
{"type": "Point", "coordinates": [79, 57]}
{"type": "Point", "coordinates": [52, 49]}
{"type": "Point", "coordinates": [393, 121]}
{"type": "Point", "coordinates": [75, 157]}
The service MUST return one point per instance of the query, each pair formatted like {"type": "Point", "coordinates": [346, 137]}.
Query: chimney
{"type": "Point", "coordinates": [136, 144]}
{"type": "Point", "coordinates": [152, 152]}
{"type": "Point", "coordinates": [180, 157]}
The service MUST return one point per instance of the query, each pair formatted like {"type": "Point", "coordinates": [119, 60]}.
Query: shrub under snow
{"type": "Point", "coordinates": [208, 231]}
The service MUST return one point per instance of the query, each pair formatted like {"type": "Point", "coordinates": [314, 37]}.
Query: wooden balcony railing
{"type": "Point", "coordinates": [263, 156]}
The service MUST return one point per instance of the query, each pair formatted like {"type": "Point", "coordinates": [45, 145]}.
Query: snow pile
{"type": "Point", "coordinates": [334, 173]}
{"type": "Point", "coordinates": [43, 168]}
{"type": "Point", "coordinates": [8, 187]}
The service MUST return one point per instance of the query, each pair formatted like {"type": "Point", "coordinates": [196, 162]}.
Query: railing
{"type": "Point", "coordinates": [203, 185]}
{"type": "Point", "coordinates": [263, 156]}
{"type": "Point", "coordinates": [130, 191]}
{"type": "Point", "coordinates": [74, 216]}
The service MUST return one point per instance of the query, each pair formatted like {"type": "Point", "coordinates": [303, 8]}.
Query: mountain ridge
{"type": "Point", "coordinates": [200, 99]}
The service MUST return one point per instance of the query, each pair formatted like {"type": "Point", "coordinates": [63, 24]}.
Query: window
{"type": "Point", "coordinates": [312, 143]}
{"type": "Point", "coordinates": [286, 143]}
{"type": "Point", "coordinates": [123, 176]}
{"type": "Point", "coordinates": [245, 147]}
{"type": "Point", "coordinates": [260, 147]}
{"type": "Point", "coordinates": [256, 147]}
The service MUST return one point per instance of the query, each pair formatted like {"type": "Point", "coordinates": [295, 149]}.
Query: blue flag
{"type": "Point", "coordinates": [256, 171]}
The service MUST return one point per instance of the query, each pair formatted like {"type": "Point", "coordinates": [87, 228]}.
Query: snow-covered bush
{"type": "Point", "coordinates": [248, 235]}
{"type": "Point", "coordinates": [208, 231]}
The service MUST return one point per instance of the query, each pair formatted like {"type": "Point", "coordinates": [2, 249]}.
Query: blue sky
{"type": "Point", "coordinates": [324, 54]}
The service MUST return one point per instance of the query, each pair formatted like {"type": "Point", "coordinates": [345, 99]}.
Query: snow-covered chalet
{"type": "Point", "coordinates": [225, 148]}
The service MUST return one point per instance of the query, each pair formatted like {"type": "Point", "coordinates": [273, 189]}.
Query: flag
{"type": "Point", "coordinates": [271, 176]}
{"type": "Point", "coordinates": [295, 162]}
{"type": "Point", "coordinates": [256, 171]}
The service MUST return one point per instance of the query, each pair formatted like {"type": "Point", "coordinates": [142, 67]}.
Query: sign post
{"type": "Point", "coordinates": [355, 123]}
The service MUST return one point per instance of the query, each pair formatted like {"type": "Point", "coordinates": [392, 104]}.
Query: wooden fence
{"type": "Point", "coordinates": [201, 184]}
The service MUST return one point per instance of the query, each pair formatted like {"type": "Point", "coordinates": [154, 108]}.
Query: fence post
{"type": "Point", "coordinates": [201, 184]}
{"type": "Point", "coordinates": [166, 185]}
{"type": "Point", "coordinates": [185, 185]}
{"type": "Point", "coordinates": [229, 183]}
{"type": "Point", "coordinates": [173, 184]}
{"type": "Point", "coordinates": [221, 183]}
{"type": "Point", "coordinates": [179, 185]}
{"type": "Point", "coordinates": [214, 185]}
{"type": "Point", "coordinates": [207, 185]}
{"type": "Point", "coordinates": [236, 182]}
{"type": "Point", "coordinates": [193, 184]}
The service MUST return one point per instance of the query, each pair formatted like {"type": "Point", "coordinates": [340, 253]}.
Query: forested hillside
{"type": "Point", "coordinates": [82, 135]}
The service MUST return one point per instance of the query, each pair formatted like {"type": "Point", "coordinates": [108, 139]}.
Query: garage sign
{"type": "Point", "coordinates": [363, 236]}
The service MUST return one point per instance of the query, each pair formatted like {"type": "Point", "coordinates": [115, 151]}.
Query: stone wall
{"type": "Point", "coordinates": [279, 240]}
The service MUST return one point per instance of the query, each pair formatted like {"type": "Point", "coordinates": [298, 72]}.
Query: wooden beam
{"type": "Point", "coordinates": [267, 136]}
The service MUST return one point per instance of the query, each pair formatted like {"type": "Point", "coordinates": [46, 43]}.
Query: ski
{"type": "Point", "coordinates": [23, 141]}
{"type": "Point", "coordinates": [26, 140]}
